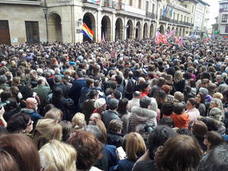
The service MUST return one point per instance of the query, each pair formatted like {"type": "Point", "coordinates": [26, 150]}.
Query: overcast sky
{"type": "Point", "coordinates": [213, 10]}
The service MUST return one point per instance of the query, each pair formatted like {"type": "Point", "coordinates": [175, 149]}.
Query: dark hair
{"type": "Point", "coordinates": [214, 139]}
{"type": "Point", "coordinates": [180, 153]}
{"type": "Point", "coordinates": [184, 131]}
{"type": "Point", "coordinates": [119, 79]}
{"type": "Point", "coordinates": [115, 126]}
{"type": "Point", "coordinates": [122, 106]}
{"type": "Point", "coordinates": [18, 122]}
{"type": "Point", "coordinates": [192, 101]}
{"type": "Point", "coordinates": [166, 121]}
{"type": "Point", "coordinates": [88, 148]}
{"type": "Point", "coordinates": [158, 137]}
{"type": "Point", "coordinates": [145, 102]}
{"type": "Point", "coordinates": [117, 94]}
{"type": "Point", "coordinates": [167, 109]}
{"type": "Point", "coordinates": [22, 149]}
{"type": "Point", "coordinates": [216, 159]}
{"type": "Point", "coordinates": [178, 108]}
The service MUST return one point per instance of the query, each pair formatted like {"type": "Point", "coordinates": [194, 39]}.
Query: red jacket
{"type": "Point", "coordinates": [181, 120]}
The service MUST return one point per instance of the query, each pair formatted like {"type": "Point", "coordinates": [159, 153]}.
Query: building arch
{"type": "Point", "coordinates": [106, 28]}
{"type": "Point", "coordinates": [145, 31]}
{"type": "Point", "coordinates": [138, 31]}
{"type": "Point", "coordinates": [129, 30]}
{"type": "Point", "coordinates": [89, 20]}
{"type": "Point", "coordinates": [119, 29]}
{"type": "Point", "coordinates": [162, 29]}
{"type": "Point", "coordinates": [54, 27]}
{"type": "Point", "coordinates": [151, 30]}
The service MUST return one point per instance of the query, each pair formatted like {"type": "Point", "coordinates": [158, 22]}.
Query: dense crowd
{"type": "Point", "coordinates": [114, 106]}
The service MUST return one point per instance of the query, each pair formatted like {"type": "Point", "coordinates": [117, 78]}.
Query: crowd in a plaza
{"type": "Point", "coordinates": [114, 106]}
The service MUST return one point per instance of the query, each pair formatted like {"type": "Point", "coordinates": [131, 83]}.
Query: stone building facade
{"type": "Point", "coordinates": [61, 20]}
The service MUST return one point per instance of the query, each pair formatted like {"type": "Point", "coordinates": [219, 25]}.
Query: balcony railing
{"type": "Point", "coordinates": [109, 4]}
{"type": "Point", "coordinates": [150, 15]}
{"type": "Point", "coordinates": [21, 2]}
{"type": "Point", "coordinates": [163, 18]}
{"type": "Point", "coordinates": [91, 2]}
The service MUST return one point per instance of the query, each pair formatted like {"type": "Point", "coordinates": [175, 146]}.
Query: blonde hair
{"type": "Point", "coordinates": [46, 130]}
{"type": "Point", "coordinates": [134, 145]}
{"type": "Point", "coordinates": [78, 121]}
{"type": "Point", "coordinates": [55, 114]}
{"type": "Point", "coordinates": [218, 96]}
{"type": "Point", "coordinates": [58, 156]}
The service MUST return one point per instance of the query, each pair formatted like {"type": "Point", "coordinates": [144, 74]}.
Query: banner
{"type": "Point", "coordinates": [87, 31]}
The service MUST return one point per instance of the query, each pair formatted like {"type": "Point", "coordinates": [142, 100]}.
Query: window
{"type": "Point", "coordinates": [140, 4]}
{"type": "Point", "coordinates": [4, 32]}
{"type": "Point", "coordinates": [177, 17]}
{"type": "Point", "coordinates": [32, 31]}
{"type": "Point", "coordinates": [226, 29]}
{"type": "Point", "coordinates": [131, 2]}
{"type": "Point", "coordinates": [224, 17]}
{"type": "Point", "coordinates": [147, 6]}
{"type": "Point", "coordinates": [153, 7]}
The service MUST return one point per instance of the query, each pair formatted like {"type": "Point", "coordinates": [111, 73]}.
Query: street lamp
{"type": "Point", "coordinates": [45, 10]}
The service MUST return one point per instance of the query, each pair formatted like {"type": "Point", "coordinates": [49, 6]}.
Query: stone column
{"type": "Point", "coordinates": [98, 19]}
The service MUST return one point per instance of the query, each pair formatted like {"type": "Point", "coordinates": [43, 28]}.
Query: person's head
{"type": "Point", "coordinates": [191, 103]}
{"type": "Point", "coordinates": [20, 123]}
{"type": "Point", "coordinates": [145, 102]}
{"type": "Point", "coordinates": [134, 145]}
{"type": "Point", "coordinates": [93, 117]}
{"type": "Point", "coordinates": [22, 150]}
{"type": "Point", "coordinates": [7, 162]}
{"type": "Point", "coordinates": [218, 95]}
{"type": "Point", "coordinates": [113, 104]}
{"type": "Point", "coordinates": [78, 121]}
{"type": "Point", "coordinates": [136, 94]}
{"type": "Point", "coordinates": [216, 103]}
{"type": "Point", "coordinates": [158, 137]}
{"type": "Point", "coordinates": [46, 130]}
{"type": "Point", "coordinates": [179, 108]}
{"type": "Point", "coordinates": [216, 159]}
{"type": "Point", "coordinates": [100, 104]}
{"type": "Point", "coordinates": [216, 113]}
{"type": "Point", "coordinates": [212, 139]}
{"type": "Point", "coordinates": [184, 131]}
{"type": "Point", "coordinates": [56, 156]}
{"type": "Point", "coordinates": [90, 82]}
{"type": "Point", "coordinates": [168, 121]}
{"type": "Point", "coordinates": [178, 96]}
{"type": "Point", "coordinates": [115, 126]}
{"type": "Point", "coordinates": [167, 109]}
{"type": "Point", "coordinates": [180, 153]}
{"type": "Point", "coordinates": [55, 114]}
{"type": "Point", "coordinates": [199, 129]}
{"type": "Point", "coordinates": [88, 148]}
{"type": "Point", "coordinates": [178, 76]}
{"type": "Point", "coordinates": [122, 107]}
{"type": "Point", "coordinates": [31, 103]}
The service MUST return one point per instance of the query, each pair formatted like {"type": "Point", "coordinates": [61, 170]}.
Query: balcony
{"type": "Point", "coordinates": [21, 2]}
{"type": "Point", "coordinates": [163, 18]}
{"type": "Point", "coordinates": [91, 2]}
{"type": "Point", "coordinates": [150, 15]}
{"type": "Point", "coordinates": [109, 3]}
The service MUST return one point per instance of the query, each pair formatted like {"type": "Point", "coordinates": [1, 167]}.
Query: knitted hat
{"type": "Point", "coordinates": [99, 103]}
{"type": "Point", "coordinates": [203, 91]}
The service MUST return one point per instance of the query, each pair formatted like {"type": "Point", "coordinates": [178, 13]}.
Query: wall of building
{"type": "Point", "coordinates": [17, 15]}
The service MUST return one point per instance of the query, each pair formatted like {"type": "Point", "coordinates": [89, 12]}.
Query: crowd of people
{"type": "Point", "coordinates": [114, 106]}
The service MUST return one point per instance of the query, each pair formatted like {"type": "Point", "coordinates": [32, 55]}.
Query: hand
{"type": "Point", "coordinates": [2, 111]}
